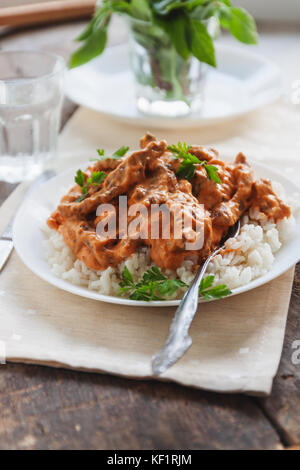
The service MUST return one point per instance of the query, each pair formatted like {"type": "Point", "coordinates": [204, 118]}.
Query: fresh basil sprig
{"type": "Point", "coordinates": [184, 21]}
{"type": "Point", "coordinates": [189, 163]}
{"type": "Point", "coordinates": [93, 38]}
{"type": "Point", "coordinates": [155, 286]}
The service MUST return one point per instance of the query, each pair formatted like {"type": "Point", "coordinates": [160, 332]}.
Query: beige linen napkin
{"type": "Point", "coordinates": [237, 342]}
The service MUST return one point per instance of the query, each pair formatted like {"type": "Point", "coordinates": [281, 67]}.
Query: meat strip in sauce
{"type": "Point", "coordinates": [147, 177]}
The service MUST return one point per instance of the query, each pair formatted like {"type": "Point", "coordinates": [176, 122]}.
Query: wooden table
{"type": "Point", "coordinates": [45, 408]}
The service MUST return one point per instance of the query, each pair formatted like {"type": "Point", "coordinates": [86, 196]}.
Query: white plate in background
{"type": "Point", "coordinates": [243, 82]}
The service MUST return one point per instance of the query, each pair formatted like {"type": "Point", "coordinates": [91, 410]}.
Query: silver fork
{"type": "Point", "coordinates": [6, 243]}
{"type": "Point", "coordinates": [179, 341]}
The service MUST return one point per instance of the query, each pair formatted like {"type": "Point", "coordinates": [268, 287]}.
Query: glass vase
{"type": "Point", "coordinates": [166, 84]}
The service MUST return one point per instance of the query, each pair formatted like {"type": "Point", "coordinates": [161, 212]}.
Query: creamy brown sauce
{"type": "Point", "coordinates": [147, 177]}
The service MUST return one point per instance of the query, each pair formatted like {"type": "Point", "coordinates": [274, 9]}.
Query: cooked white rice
{"type": "Point", "coordinates": [252, 256]}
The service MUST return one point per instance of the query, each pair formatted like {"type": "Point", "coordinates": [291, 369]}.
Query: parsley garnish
{"type": "Point", "coordinates": [151, 287]}
{"type": "Point", "coordinates": [79, 178]}
{"type": "Point", "coordinates": [100, 152]}
{"type": "Point", "coordinates": [115, 156]}
{"type": "Point", "coordinates": [96, 178]}
{"type": "Point", "coordinates": [189, 162]}
{"type": "Point", "coordinates": [212, 173]}
{"type": "Point", "coordinates": [216, 292]}
{"type": "Point", "coordinates": [121, 151]}
{"type": "Point", "coordinates": [155, 286]}
{"type": "Point", "coordinates": [84, 194]}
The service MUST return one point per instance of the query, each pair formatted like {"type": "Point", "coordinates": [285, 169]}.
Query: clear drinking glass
{"type": "Point", "coordinates": [31, 92]}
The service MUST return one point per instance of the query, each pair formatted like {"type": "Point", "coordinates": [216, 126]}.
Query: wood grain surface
{"type": "Point", "coordinates": [45, 408]}
{"type": "Point", "coordinates": [46, 12]}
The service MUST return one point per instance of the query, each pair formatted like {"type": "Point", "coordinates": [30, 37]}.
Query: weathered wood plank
{"type": "Point", "coordinates": [283, 407]}
{"type": "Point", "coordinates": [43, 408]}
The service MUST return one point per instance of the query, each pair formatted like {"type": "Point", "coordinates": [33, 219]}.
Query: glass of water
{"type": "Point", "coordinates": [31, 92]}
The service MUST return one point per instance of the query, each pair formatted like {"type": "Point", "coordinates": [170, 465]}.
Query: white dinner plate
{"type": "Point", "coordinates": [243, 82]}
{"type": "Point", "coordinates": [33, 213]}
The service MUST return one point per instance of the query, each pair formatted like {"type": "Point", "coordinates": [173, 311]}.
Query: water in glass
{"type": "Point", "coordinates": [30, 105]}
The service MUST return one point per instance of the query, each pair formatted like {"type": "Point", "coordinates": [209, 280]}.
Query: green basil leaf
{"type": "Point", "coordinates": [201, 45]}
{"type": "Point", "coordinates": [92, 47]}
{"type": "Point", "coordinates": [164, 7]}
{"type": "Point", "coordinates": [88, 30]}
{"type": "Point", "coordinates": [193, 4]}
{"type": "Point", "coordinates": [140, 9]}
{"type": "Point", "coordinates": [176, 27]}
{"type": "Point", "coordinates": [224, 15]}
{"type": "Point", "coordinates": [121, 7]}
{"type": "Point", "coordinates": [242, 26]}
{"type": "Point", "coordinates": [100, 18]}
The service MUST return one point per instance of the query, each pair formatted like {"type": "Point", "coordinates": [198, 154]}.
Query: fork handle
{"type": "Point", "coordinates": [179, 340]}
{"type": "Point", "coordinates": [187, 308]}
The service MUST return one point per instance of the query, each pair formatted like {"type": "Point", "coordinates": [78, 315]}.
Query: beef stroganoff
{"type": "Point", "coordinates": [192, 181]}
